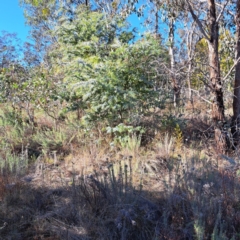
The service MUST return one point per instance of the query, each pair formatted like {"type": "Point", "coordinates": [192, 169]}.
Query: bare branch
{"type": "Point", "coordinates": [198, 94]}
{"type": "Point", "coordinates": [228, 11]}
{"type": "Point", "coordinates": [221, 12]}
{"type": "Point", "coordinates": [236, 62]}
{"type": "Point", "coordinates": [197, 21]}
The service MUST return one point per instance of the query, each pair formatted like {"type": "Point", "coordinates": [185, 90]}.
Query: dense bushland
{"type": "Point", "coordinates": [106, 134]}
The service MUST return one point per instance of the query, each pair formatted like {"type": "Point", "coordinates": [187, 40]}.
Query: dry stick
{"type": "Point", "coordinates": [178, 71]}
{"type": "Point", "coordinates": [4, 225]}
{"type": "Point", "coordinates": [221, 12]}
{"type": "Point", "coordinates": [201, 96]}
{"type": "Point", "coordinates": [231, 69]}
{"type": "Point", "coordinates": [227, 10]}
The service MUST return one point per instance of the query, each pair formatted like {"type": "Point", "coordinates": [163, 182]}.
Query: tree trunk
{"type": "Point", "coordinates": [190, 64]}
{"type": "Point", "coordinates": [236, 98]}
{"type": "Point", "coordinates": [156, 24]}
{"type": "Point", "coordinates": [215, 78]}
{"type": "Point", "coordinates": [218, 104]}
{"type": "Point", "coordinates": [212, 36]}
{"type": "Point", "coordinates": [175, 83]}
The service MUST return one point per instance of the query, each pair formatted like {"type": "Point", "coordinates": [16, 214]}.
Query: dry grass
{"type": "Point", "coordinates": [77, 186]}
{"type": "Point", "coordinates": [195, 200]}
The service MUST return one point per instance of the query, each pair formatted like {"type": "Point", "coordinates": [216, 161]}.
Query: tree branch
{"type": "Point", "coordinates": [198, 94]}
{"type": "Point", "coordinates": [228, 11]}
{"type": "Point", "coordinates": [237, 61]}
{"type": "Point", "coordinates": [221, 12]}
{"type": "Point", "coordinates": [197, 21]}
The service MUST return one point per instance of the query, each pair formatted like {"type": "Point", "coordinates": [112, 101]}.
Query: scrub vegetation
{"type": "Point", "coordinates": [111, 132]}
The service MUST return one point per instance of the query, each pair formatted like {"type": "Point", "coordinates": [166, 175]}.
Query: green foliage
{"type": "Point", "coordinates": [50, 140]}
{"type": "Point", "coordinates": [35, 89]}
{"type": "Point", "coordinates": [199, 61]}
{"type": "Point", "coordinates": [226, 56]}
{"type": "Point", "coordinates": [110, 79]}
{"type": "Point", "coordinates": [42, 9]}
{"type": "Point", "coordinates": [169, 123]}
{"type": "Point", "coordinates": [14, 163]}
{"type": "Point", "coordinates": [93, 64]}
{"type": "Point", "coordinates": [127, 136]}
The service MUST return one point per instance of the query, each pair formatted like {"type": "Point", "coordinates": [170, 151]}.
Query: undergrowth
{"type": "Point", "coordinates": [68, 183]}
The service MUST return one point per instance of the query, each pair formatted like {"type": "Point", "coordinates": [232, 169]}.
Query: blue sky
{"type": "Point", "coordinates": [12, 19]}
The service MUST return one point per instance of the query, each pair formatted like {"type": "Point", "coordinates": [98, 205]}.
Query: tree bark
{"type": "Point", "coordinates": [174, 80]}
{"type": "Point", "coordinates": [190, 58]}
{"type": "Point", "coordinates": [236, 98]}
{"type": "Point", "coordinates": [212, 37]}
{"type": "Point", "coordinates": [215, 78]}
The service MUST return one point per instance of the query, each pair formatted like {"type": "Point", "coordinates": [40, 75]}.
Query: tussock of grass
{"type": "Point", "coordinates": [197, 201]}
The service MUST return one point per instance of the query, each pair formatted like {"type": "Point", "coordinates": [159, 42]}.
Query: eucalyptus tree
{"type": "Point", "coordinates": [172, 15]}
{"type": "Point", "coordinates": [10, 49]}
{"type": "Point", "coordinates": [44, 15]}
{"type": "Point", "coordinates": [236, 98]}
{"type": "Point", "coordinates": [209, 16]}
{"type": "Point", "coordinates": [170, 12]}
{"type": "Point", "coordinates": [10, 64]}
{"type": "Point", "coordinates": [13, 73]}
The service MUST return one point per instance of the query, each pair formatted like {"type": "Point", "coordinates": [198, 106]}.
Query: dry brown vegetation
{"type": "Point", "coordinates": [59, 182]}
